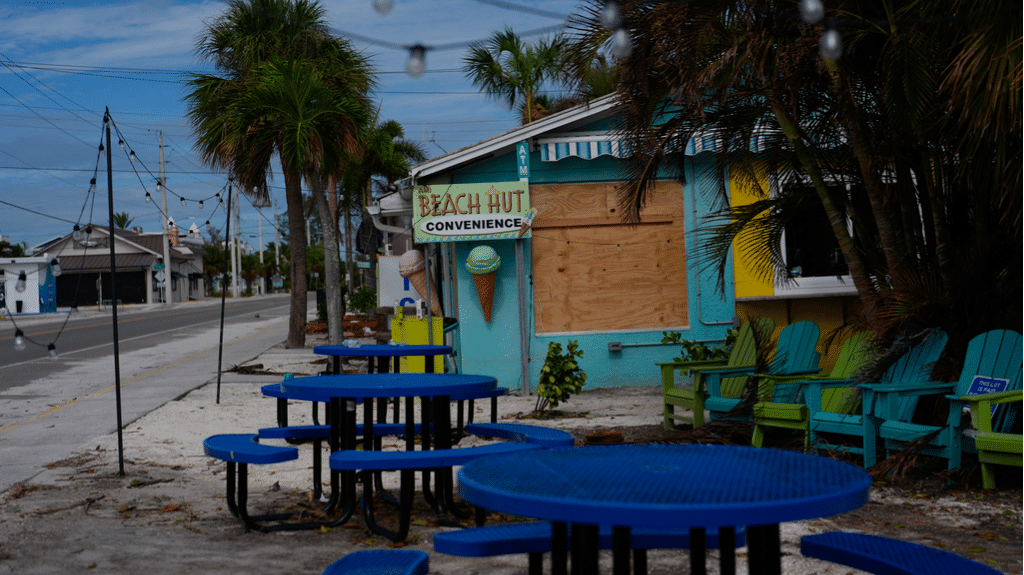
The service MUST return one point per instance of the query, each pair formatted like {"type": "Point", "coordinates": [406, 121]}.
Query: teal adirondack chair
{"type": "Point", "coordinates": [744, 354]}
{"type": "Point", "coordinates": [913, 367]}
{"type": "Point", "coordinates": [994, 447]}
{"type": "Point", "coordinates": [794, 414]}
{"type": "Point", "coordinates": [993, 363]}
{"type": "Point", "coordinates": [794, 355]}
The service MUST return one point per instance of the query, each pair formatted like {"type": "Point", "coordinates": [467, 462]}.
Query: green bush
{"type": "Point", "coordinates": [700, 351]}
{"type": "Point", "coordinates": [560, 377]}
{"type": "Point", "coordinates": [363, 300]}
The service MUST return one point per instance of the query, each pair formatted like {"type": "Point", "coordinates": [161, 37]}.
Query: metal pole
{"type": "Point", "coordinates": [524, 337]}
{"type": "Point", "coordinates": [223, 291]}
{"type": "Point", "coordinates": [234, 248]}
{"type": "Point", "coordinates": [113, 300]}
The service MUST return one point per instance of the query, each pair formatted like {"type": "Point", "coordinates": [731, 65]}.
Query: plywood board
{"type": "Point", "coordinates": [610, 277]}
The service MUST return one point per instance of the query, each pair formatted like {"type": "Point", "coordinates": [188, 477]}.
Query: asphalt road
{"type": "Point", "coordinates": [50, 407]}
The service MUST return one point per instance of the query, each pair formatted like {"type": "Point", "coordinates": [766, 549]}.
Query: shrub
{"type": "Point", "coordinates": [560, 377]}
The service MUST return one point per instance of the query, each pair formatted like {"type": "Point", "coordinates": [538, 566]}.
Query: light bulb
{"type": "Point", "coordinates": [88, 231]}
{"type": "Point", "coordinates": [622, 44]}
{"type": "Point", "coordinates": [19, 286]}
{"type": "Point", "coordinates": [19, 340]}
{"type": "Point", "coordinates": [159, 186]}
{"type": "Point", "coordinates": [611, 18]}
{"type": "Point", "coordinates": [831, 47]}
{"type": "Point", "coordinates": [383, 6]}
{"type": "Point", "coordinates": [149, 198]}
{"type": "Point", "coordinates": [102, 149]}
{"type": "Point", "coordinates": [53, 350]}
{"type": "Point", "coordinates": [132, 157]}
{"type": "Point", "coordinates": [200, 204]}
{"type": "Point", "coordinates": [183, 204]}
{"type": "Point", "coordinates": [121, 143]}
{"type": "Point", "coordinates": [812, 11]}
{"type": "Point", "coordinates": [55, 267]}
{"type": "Point", "coordinates": [92, 185]}
{"type": "Point", "coordinates": [417, 63]}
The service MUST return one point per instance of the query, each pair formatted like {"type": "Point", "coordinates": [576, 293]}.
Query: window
{"type": "Point", "coordinates": [814, 261]}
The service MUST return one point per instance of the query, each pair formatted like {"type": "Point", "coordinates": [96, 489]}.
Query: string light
{"type": "Point", "coordinates": [611, 17]}
{"type": "Point", "coordinates": [55, 267]}
{"type": "Point", "coordinates": [53, 350]}
{"type": "Point", "coordinates": [92, 185]}
{"type": "Point", "coordinates": [200, 204]}
{"type": "Point", "coordinates": [19, 286]}
{"type": "Point", "coordinates": [183, 204]}
{"type": "Point", "coordinates": [417, 63]}
{"type": "Point", "coordinates": [19, 340]}
{"type": "Point", "coordinates": [159, 185]}
{"type": "Point", "coordinates": [149, 198]}
{"type": "Point", "coordinates": [383, 6]}
{"type": "Point", "coordinates": [622, 44]}
{"type": "Point", "coordinates": [102, 150]}
{"type": "Point", "coordinates": [812, 11]}
{"type": "Point", "coordinates": [132, 157]}
{"type": "Point", "coordinates": [831, 47]}
{"type": "Point", "coordinates": [121, 143]}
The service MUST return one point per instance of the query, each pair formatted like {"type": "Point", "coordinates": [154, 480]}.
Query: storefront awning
{"type": "Point", "coordinates": [590, 146]}
{"type": "Point", "coordinates": [101, 263]}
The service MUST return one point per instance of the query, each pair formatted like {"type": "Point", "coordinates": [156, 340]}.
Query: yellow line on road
{"type": "Point", "coordinates": [124, 383]}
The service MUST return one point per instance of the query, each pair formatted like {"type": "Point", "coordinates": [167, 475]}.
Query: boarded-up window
{"type": "Point", "coordinates": [591, 273]}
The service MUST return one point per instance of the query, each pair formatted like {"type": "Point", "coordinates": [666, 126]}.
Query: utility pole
{"type": "Point", "coordinates": [277, 242]}
{"type": "Point", "coordinates": [168, 274]}
{"type": "Point", "coordinates": [234, 251]}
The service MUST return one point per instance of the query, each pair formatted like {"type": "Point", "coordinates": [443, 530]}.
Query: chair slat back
{"type": "Point", "coordinates": [794, 354]}
{"type": "Point", "coordinates": [744, 353]}
{"type": "Point", "coordinates": [915, 366]}
{"type": "Point", "coordinates": [855, 353]}
{"type": "Point", "coordinates": [996, 356]}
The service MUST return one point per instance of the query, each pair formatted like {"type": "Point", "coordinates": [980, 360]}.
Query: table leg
{"type": "Point", "coordinates": [585, 547]}
{"type": "Point", "coordinates": [727, 550]}
{"type": "Point", "coordinates": [621, 548]}
{"type": "Point", "coordinates": [698, 552]}
{"type": "Point", "coordinates": [443, 440]}
{"type": "Point", "coordinates": [559, 548]}
{"type": "Point", "coordinates": [764, 553]}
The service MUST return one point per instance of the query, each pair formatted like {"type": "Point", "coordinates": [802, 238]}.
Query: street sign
{"type": "Point", "coordinates": [159, 266]}
{"type": "Point", "coordinates": [160, 276]}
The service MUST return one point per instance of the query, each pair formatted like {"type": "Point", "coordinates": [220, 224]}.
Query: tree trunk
{"type": "Point", "coordinates": [332, 262]}
{"type": "Point", "coordinates": [297, 240]}
{"type": "Point", "coordinates": [858, 271]}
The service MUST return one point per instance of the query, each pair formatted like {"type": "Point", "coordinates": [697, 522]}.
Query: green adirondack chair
{"type": "Point", "coordinates": [995, 448]}
{"type": "Point", "coordinates": [993, 363]}
{"type": "Point", "coordinates": [794, 355]}
{"type": "Point", "coordinates": [744, 354]}
{"type": "Point", "coordinates": [911, 368]}
{"type": "Point", "coordinates": [792, 413]}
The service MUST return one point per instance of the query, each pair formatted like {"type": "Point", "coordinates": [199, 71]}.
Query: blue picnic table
{"type": "Point", "coordinates": [674, 486]}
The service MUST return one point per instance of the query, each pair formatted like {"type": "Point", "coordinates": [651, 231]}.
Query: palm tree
{"type": "Point", "coordinates": [514, 71]}
{"type": "Point", "coordinates": [122, 220]}
{"type": "Point", "coordinates": [380, 151]}
{"type": "Point", "coordinates": [917, 121]}
{"type": "Point", "coordinates": [283, 72]}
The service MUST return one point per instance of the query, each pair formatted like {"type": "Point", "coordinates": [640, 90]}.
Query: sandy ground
{"type": "Point", "coordinates": [168, 513]}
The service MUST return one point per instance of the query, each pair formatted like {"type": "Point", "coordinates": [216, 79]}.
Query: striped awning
{"type": "Point", "coordinates": [590, 146]}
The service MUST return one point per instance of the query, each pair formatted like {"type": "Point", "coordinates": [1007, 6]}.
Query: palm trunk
{"type": "Point", "coordinates": [858, 271]}
{"type": "Point", "coordinates": [332, 263]}
{"type": "Point", "coordinates": [297, 240]}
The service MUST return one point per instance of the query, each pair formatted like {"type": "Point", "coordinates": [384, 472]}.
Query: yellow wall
{"type": "Point", "coordinates": [748, 282]}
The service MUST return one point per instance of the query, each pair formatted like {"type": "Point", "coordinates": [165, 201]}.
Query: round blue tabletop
{"type": "Point", "coordinates": [325, 387]}
{"type": "Point", "coordinates": [664, 486]}
{"type": "Point", "coordinates": [382, 350]}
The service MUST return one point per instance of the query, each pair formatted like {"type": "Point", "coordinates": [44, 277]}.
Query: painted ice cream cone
{"type": "Point", "coordinates": [412, 266]}
{"type": "Point", "coordinates": [483, 262]}
{"type": "Point", "coordinates": [527, 222]}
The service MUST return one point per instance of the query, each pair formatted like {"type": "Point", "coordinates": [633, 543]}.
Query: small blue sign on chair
{"type": "Point", "coordinates": [985, 384]}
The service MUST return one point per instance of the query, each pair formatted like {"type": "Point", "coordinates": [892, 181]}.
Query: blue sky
{"type": "Point", "coordinates": [64, 62]}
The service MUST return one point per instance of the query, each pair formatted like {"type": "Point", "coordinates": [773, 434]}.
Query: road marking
{"type": "Point", "coordinates": [124, 383]}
